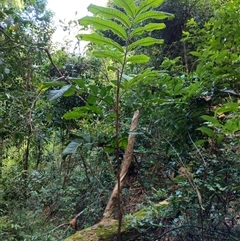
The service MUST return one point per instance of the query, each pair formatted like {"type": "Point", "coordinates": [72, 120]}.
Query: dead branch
{"type": "Point", "coordinates": [125, 166]}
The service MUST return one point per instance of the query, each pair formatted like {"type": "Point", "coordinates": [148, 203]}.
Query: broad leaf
{"type": "Point", "coordinates": [109, 100]}
{"type": "Point", "coordinates": [145, 42]}
{"type": "Point", "coordinates": [199, 142]}
{"type": "Point", "coordinates": [54, 94]}
{"type": "Point", "coordinates": [141, 77]}
{"type": "Point", "coordinates": [227, 108]}
{"type": "Point", "coordinates": [94, 109]}
{"type": "Point", "coordinates": [79, 82]}
{"type": "Point", "coordinates": [231, 92]}
{"type": "Point", "coordinates": [75, 114]}
{"type": "Point", "coordinates": [152, 14]}
{"type": "Point", "coordinates": [82, 111]}
{"type": "Point", "coordinates": [145, 5]}
{"type": "Point", "coordinates": [70, 91]}
{"type": "Point", "coordinates": [232, 125]}
{"type": "Point", "coordinates": [148, 27]}
{"type": "Point", "coordinates": [195, 53]}
{"type": "Point", "coordinates": [110, 13]}
{"type": "Point", "coordinates": [94, 89]}
{"type": "Point", "coordinates": [108, 54]}
{"type": "Point", "coordinates": [97, 39]}
{"type": "Point", "coordinates": [211, 119]}
{"type": "Point", "coordinates": [72, 147]}
{"type": "Point", "coordinates": [128, 5]}
{"type": "Point", "coordinates": [104, 24]}
{"type": "Point", "coordinates": [138, 59]}
{"type": "Point", "coordinates": [126, 77]}
{"type": "Point", "coordinates": [92, 100]}
{"type": "Point", "coordinates": [207, 131]}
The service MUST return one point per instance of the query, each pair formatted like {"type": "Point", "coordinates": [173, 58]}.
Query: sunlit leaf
{"type": "Point", "coordinates": [211, 119]}
{"type": "Point", "coordinates": [72, 147]}
{"type": "Point", "coordinates": [152, 14]}
{"type": "Point", "coordinates": [228, 107]}
{"type": "Point", "coordinates": [138, 59]}
{"type": "Point", "coordinates": [207, 131]}
{"type": "Point", "coordinates": [108, 54]}
{"type": "Point", "coordinates": [110, 13]}
{"type": "Point", "coordinates": [104, 24]}
{"type": "Point", "coordinates": [70, 91]}
{"type": "Point", "coordinates": [54, 94]}
{"type": "Point", "coordinates": [75, 114]}
{"type": "Point", "coordinates": [145, 5]}
{"type": "Point", "coordinates": [94, 109]}
{"type": "Point", "coordinates": [97, 39]}
{"type": "Point", "coordinates": [128, 5]}
{"type": "Point", "coordinates": [145, 42]}
{"type": "Point", "coordinates": [92, 99]}
{"type": "Point", "coordinates": [195, 53]}
{"type": "Point", "coordinates": [149, 27]}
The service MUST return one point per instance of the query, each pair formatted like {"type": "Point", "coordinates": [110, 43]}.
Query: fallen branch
{"type": "Point", "coordinates": [107, 228]}
{"type": "Point", "coordinates": [125, 166]}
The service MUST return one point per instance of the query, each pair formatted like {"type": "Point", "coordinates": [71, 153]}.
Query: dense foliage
{"type": "Point", "coordinates": [65, 117]}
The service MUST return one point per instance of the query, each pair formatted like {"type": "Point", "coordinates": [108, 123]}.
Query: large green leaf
{"type": "Point", "coordinates": [104, 24]}
{"type": "Point", "coordinates": [207, 131]}
{"type": "Point", "coordinates": [70, 91]}
{"type": "Point", "coordinates": [228, 107]}
{"type": "Point", "coordinates": [145, 5]}
{"type": "Point", "coordinates": [54, 94]}
{"type": "Point", "coordinates": [80, 83]}
{"type": "Point", "coordinates": [72, 147]}
{"type": "Point", "coordinates": [94, 89]}
{"type": "Point", "coordinates": [148, 27]}
{"type": "Point", "coordinates": [83, 111]}
{"type": "Point", "coordinates": [108, 54]}
{"type": "Point", "coordinates": [110, 13]}
{"type": "Point", "coordinates": [145, 42]}
{"type": "Point", "coordinates": [94, 109]}
{"type": "Point", "coordinates": [232, 125]}
{"type": "Point", "coordinates": [129, 82]}
{"type": "Point", "coordinates": [212, 119]}
{"type": "Point", "coordinates": [152, 14]}
{"type": "Point", "coordinates": [92, 100]}
{"type": "Point", "coordinates": [138, 59]}
{"type": "Point", "coordinates": [199, 142]}
{"type": "Point", "coordinates": [128, 5]}
{"type": "Point", "coordinates": [75, 114]}
{"type": "Point", "coordinates": [97, 39]}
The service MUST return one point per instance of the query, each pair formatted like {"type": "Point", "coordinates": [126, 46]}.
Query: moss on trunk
{"type": "Point", "coordinates": [107, 228]}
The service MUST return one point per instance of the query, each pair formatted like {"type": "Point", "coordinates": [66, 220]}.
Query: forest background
{"type": "Point", "coordinates": [65, 118]}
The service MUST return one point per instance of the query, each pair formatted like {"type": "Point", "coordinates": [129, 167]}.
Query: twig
{"type": "Point", "coordinates": [50, 58]}
{"type": "Point", "coordinates": [197, 150]}
{"type": "Point", "coordinates": [189, 176]}
{"type": "Point", "coordinates": [64, 224]}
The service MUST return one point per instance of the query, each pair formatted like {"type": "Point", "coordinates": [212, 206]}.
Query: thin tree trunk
{"type": "Point", "coordinates": [26, 157]}
{"type": "Point", "coordinates": [125, 166]}
{"type": "Point", "coordinates": [185, 57]}
{"type": "Point", "coordinates": [1, 155]}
